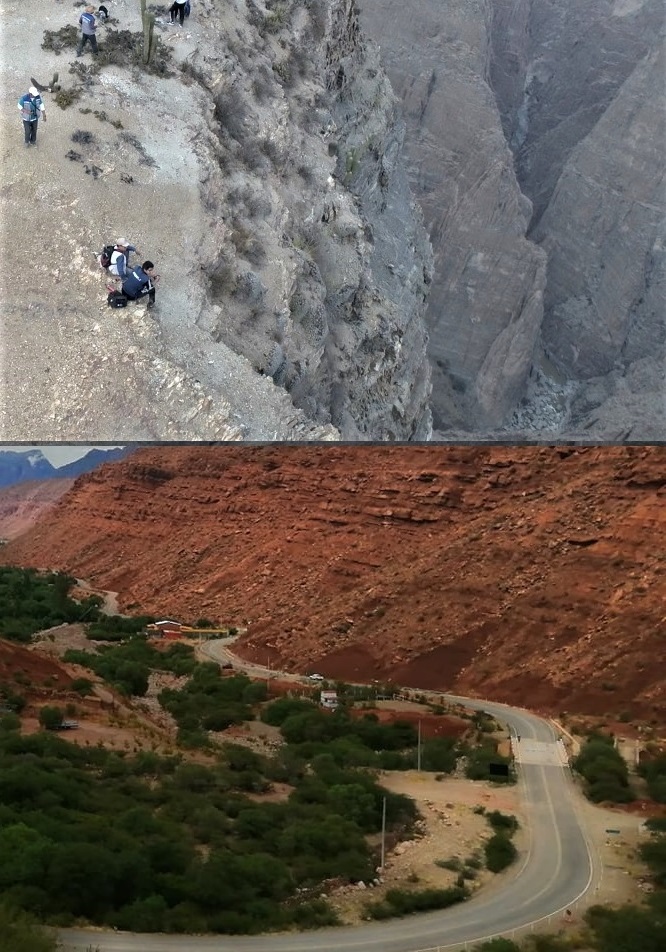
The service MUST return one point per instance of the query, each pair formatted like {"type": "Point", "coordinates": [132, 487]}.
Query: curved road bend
{"type": "Point", "coordinates": [558, 868]}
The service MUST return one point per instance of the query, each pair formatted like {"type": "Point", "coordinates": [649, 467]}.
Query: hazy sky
{"type": "Point", "coordinates": [58, 454]}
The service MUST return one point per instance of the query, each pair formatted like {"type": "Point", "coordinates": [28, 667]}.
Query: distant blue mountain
{"type": "Point", "coordinates": [29, 464]}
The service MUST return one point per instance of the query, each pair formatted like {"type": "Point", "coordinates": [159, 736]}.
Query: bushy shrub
{"type": "Point", "coordinates": [402, 903]}
{"type": "Point", "coordinates": [500, 852]}
{"type": "Point", "coordinates": [502, 822]}
{"type": "Point", "coordinates": [604, 770]}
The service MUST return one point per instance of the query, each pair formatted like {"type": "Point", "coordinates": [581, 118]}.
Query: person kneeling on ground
{"type": "Point", "coordinates": [138, 283]}
{"type": "Point", "coordinates": [119, 266]}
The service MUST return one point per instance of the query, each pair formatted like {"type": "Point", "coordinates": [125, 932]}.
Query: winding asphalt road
{"type": "Point", "coordinates": [557, 869]}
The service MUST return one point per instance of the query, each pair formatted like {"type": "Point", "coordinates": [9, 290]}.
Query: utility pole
{"type": "Point", "coordinates": [383, 833]}
{"type": "Point", "coordinates": [418, 751]}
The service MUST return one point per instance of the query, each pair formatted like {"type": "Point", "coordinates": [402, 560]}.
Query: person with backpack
{"type": "Point", "coordinates": [119, 263]}
{"type": "Point", "coordinates": [31, 107]}
{"type": "Point", "coordinates": [138, 283]}
{"type": "Point", "coordinates": [115, 258]}
{"type": "Point", "coordinates": [88, 25]}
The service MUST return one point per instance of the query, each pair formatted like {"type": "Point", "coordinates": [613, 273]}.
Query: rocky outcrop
{"type": "Point", "coordinates": [264, 176]}
{"type": "Point", "coordinates": [512, 572]}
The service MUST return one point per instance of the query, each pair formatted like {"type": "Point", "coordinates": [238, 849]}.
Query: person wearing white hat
{"type": "Point", "coordinates": [31, 107]}
{"type": "Point", "coordinates": [120, 258]}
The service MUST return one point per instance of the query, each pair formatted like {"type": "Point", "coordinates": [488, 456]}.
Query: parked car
{"type": "Point", "coordinates": [316, 677]}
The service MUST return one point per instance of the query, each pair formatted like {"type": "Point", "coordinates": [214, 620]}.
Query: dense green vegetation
{"type": "Point", "coordinates": [50, 718]}
{"type": "Point", "coordinates": [210, 702]}
{"type": "Point", "coordinates": [127, 666]}
{"type": "Point", "coordinates": [479, 759]}
{"type": "Point", "coordinates": [116, 627]}
{"type": "Point", "coordinates": [151, 843]}
{"type": "Point", "coordinates": [362, 741]}
{"type": "Point", "coordinates": [32, 600]}
{"type": "Point", "coordinates": [499, 850]}
{"type": "Point", "coordinates": [604, 770]}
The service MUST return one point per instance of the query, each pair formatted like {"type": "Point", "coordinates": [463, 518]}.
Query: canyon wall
{"type": "Point", "coordinates": [570, 96]}
{"type": "Point", "coordinates": [527, 574]}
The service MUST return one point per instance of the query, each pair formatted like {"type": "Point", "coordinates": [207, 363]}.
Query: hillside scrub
{"type": "Point", "coordinates": [398, 902]}
{"type": "Point", "coordinates": [604, 770]}
{"type": "Point", "coordinates": [152, 843]}
{"type": "Point", "coordinates": [19, 933]}
{"type": "Point", "coordinates": [210, 702]}
{"type": "Point", "coordinates": [654, 773]}
{"type": "Point", "coordinates": [364, 741]}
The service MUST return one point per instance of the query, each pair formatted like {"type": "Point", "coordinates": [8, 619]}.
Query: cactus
{"type": "Point", "coordinates": [149, 39]}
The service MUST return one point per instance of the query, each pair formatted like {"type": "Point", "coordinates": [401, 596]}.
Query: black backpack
{"type": "Point", "coordinates": [116, 299]}
{"type": "Point", "coordinates": [105, 257]}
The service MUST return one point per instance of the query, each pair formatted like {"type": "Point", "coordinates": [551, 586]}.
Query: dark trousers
{"type": "Point", "coordinates": [177, 9]}
{"type": "Point", "coordinates": [30, 129]}
{"type": "Point", "coordinates": [142, 293]}
{"type": "Point", "coordinates": [87, 38]}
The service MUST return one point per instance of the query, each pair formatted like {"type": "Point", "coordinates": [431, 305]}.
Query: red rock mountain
{"type": "Point", "coordinates": [22, 504]}
{"type": "Point", "coordinates": [528, 574]}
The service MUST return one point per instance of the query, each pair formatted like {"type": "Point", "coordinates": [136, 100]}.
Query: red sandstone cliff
{"type": "Point", "coordinates": [527, 574]}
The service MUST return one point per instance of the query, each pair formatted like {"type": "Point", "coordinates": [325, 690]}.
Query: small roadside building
{"type": "Point", "coordinates": [328, 700]}
{"type": "Point", "coordinates": [165, 629]}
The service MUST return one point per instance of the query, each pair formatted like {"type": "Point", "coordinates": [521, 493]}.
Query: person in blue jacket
{"type": "Point", "coordinates": [32, 108]}
{"type": "Point", "coordinates": [138, 283]}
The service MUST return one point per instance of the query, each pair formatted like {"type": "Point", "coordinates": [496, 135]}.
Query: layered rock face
{"type": "Point", "coordinates": [576, 91]}
{"type": "Point", "coordinates": [527, 574]}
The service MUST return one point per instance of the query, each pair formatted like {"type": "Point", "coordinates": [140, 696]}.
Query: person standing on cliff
{"type": "Point", "coordinates": [88, 25]}
{"type": "Point", "coordinates": [31, 107]}
{"type": "Point", "coordinates": [177, 10]}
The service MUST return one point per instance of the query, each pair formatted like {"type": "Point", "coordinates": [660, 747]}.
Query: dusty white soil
{"type": "Point", "coordinates": [72, 368]}
{"type": "Point", "coordinates": [450, 829]}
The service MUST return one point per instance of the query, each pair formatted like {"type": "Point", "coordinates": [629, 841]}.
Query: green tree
{"type": "Point", "coordinates": [500, 853]}
{"type": "Point", "coordinates": [627, 929]}
{"type": "Point", "coordinates": [50, 718]}
{"type": "Point", "coordinates": [24, 855]}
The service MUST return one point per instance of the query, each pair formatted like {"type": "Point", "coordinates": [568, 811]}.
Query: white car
{"type": "Point", "coordinates": [316, 677]}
